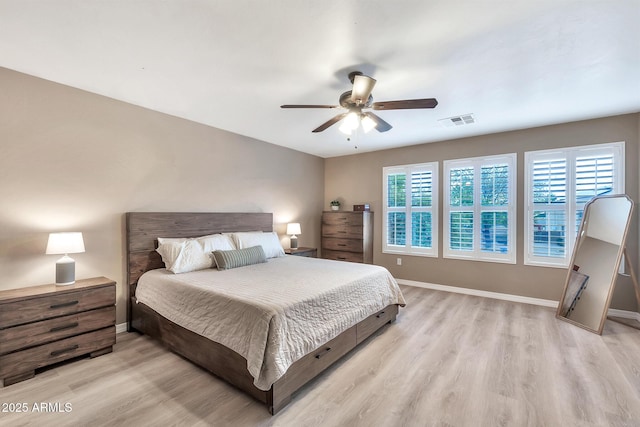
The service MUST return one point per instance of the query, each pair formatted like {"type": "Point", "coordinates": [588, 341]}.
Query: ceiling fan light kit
{"type": "Point", "coordinates": [359, 98]}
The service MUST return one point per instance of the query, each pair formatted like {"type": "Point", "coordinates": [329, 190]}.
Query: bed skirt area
{"type": "Point", "coordinates": [232, 367]}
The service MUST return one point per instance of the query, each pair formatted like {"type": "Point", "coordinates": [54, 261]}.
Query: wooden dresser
{"type": "Point", "coordinates": [347, 236]}
{"type": "Point", "coordinates": [42, 325]}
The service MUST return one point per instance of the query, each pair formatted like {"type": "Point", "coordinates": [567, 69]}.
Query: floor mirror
{"type": "Point", "coordinates": [595, 263]}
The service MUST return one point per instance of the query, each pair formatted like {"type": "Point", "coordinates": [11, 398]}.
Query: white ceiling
{"type": "Point", "coordinates": [231, 63]}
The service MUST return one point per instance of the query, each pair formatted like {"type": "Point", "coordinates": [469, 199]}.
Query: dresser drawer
{"type": "Point", "coordinates": [342, 256]}
{"type": "Point", "coordinates": [46, 307]}
{"type": "Point", "coordinates": [343, 218]}
{"type": "Point", "coordinates": [372, 323]}
{"type": "Point", "coordinates": [346, 245]}
{"type": "Point", "coordinates": [342, 231]}
{"type": "Point", "coordinates": [36, 357]}
{"type": "Point", "coordinates": [44, 331]}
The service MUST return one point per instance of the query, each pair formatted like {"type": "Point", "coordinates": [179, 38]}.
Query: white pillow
{"type": "Point", "coordinates": [269, 241]}
{"type": "Point", "coordinates": [181, 255]}
{"type": "Point", "coordinates": [217, 242]}
{"type": "Point", "coordinates": [169, 251]}
{"type": "Point", "coordinates": [191, 257]}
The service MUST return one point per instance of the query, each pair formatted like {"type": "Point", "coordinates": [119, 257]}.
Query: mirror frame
{"type": "Point", "coordinates": [621, 251]}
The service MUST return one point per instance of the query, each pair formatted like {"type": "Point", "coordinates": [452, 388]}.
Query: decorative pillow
{"type": "Point", "coordinates": [226, 260]}
{"type": "Point", "coordinates": [181, 255]}
{"type": "Point", "coordinates": [269, 241]}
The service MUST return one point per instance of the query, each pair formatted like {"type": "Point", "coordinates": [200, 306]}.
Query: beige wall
{"type": "Point", "coordinates": [71, 160]}
{"type": "Point", "coordinates": [358, 179]}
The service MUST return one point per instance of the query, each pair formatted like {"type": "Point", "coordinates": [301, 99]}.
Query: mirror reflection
{"type": "Point", "coordinates": [595, 262]}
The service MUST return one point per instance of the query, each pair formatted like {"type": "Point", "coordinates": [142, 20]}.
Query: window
{"type": "Point", "coordinates": [410, 223]}
{"type": "Point", "coordinates": [558, 183]}
{"type": "Point", "coordinates": [479, 208]}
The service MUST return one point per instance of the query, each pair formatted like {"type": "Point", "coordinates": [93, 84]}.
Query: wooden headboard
{"type": "Point", "coordinates": [144, 228]}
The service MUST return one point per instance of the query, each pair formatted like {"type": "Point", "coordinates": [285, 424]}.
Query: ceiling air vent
{"type": "Point", "coordinates": [465, 119]}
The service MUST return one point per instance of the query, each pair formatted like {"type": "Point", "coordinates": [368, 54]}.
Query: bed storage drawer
{"type": "Point", "coordinates": [18, 362]}
{"type": "Point", "coordinates": [372, 323]}
{"type": "Point", "coordinates": [318, 360]}
{"type": "Point", "coordinates": [32, 334]}
{"type": "Point", "coordinates": [33, 309]}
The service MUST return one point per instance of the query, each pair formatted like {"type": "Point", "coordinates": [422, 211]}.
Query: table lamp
{"type": "Point", "coordinates": [293, 228]}
{"type": "Point", "coordinates": [65, 243]}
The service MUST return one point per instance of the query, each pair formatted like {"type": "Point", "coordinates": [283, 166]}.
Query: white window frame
{"type": "Point", "coordinates": [571, 206]}
{"type": "Point", "coordinates": [477, 253]}
{"type": "Point", "coordinates": [407, 249]}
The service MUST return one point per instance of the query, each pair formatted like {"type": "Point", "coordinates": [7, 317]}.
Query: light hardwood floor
{"type": "Point", "coordinates": [454, 360]}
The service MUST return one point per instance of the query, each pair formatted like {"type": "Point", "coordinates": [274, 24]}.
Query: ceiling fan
{"type": "Point", "coordinates": [360, 98]}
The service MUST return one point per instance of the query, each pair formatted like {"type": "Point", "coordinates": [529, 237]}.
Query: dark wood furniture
{"type": "Point", "coordinates": [302, 251]}
{"type": "Point", "coordinates": [142, 230]}
{"type": "Point", "coordinates": [42, 325]}
{"type": "Point", "coordinates": [347, 236]}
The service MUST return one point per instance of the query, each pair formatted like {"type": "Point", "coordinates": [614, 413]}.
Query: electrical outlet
{"type": "Point", "coordinates": [399, 261]}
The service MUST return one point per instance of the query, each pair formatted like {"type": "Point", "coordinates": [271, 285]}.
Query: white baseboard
{"type": "Point", "coordinates": [625, 314]}
{"type": "Point", "coordinates": [122, 327]}
{"type": "Point", "coordinates": [479, 293]}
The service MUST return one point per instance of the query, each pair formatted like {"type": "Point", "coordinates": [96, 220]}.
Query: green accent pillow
{"type": "Point", "coordinates": [228, 259]}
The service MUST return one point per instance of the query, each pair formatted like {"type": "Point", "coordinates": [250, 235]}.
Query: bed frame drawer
{"type": "Point", "coordinates": [34, 309]}
{"type": "Point", "coordinates": [315, 362]}
{"type": "Point", "coordinates": [372, 323]}
{"type": "Point", "coordinates": [32, 334]}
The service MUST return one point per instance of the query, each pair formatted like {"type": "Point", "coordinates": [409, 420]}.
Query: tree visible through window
{"type": "Point", "coordinates": [480, 208]}
{"type": "Point", "coordinates": [410, 209]}
{"type": "Point", "coordinates": [558, 184]}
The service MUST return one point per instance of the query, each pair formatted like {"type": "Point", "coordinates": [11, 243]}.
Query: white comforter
{"type": "Point", "coordinates": [272, 313]}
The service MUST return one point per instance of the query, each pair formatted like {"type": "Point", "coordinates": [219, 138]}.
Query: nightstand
{"type": "Point", "coordinates": [42, 325]}
{"type": "Point", "coordinates": [308, 252]}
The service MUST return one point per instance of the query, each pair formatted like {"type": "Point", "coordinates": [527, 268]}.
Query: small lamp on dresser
{"type": "Point", "coordinates": [65, 243]}
{"type": "Point", "coordinates": [293, 228]}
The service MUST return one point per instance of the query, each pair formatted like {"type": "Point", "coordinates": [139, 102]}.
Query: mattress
{"type": "Point", "coordinates": [272, 313]}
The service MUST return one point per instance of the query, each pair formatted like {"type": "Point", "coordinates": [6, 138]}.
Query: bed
{"type": "Point", "coordinates": [271, 380]}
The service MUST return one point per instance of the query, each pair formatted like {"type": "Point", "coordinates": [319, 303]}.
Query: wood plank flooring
{"type": "Point", "coordinates": [449, 360]}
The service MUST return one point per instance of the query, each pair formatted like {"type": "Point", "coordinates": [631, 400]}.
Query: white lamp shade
{"type": "Point", "coordinates": [293, 228]}
{"type": "Point", "coordinates": [65, 243]}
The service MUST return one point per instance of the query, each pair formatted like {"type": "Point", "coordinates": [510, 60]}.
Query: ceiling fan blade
{"type": "Point", "coordinates": [362, 87]}
{"type": "Point", "coordinates": [331, 122]}
{"type": "Point", "coordinates": [406, 104]}
{"type": "Point", "coordinates": [381, 125]}
{"type": "Point", "coordinates": [308, 106]}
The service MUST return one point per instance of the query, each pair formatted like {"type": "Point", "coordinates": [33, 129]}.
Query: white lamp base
{"type": "Point", "coordinates": [65, 271]}
{"type": "Point", "coordinates": [294, 242]}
